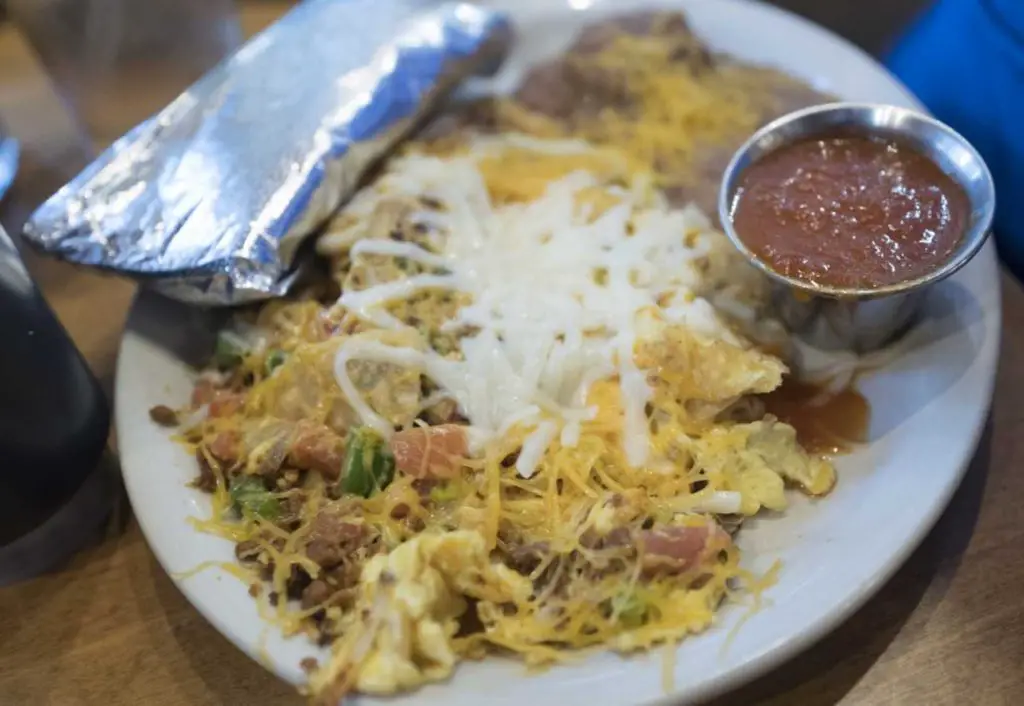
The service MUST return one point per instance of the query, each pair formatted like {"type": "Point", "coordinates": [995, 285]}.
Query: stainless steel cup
{"type": "Point", "coordinates": [849, 318]}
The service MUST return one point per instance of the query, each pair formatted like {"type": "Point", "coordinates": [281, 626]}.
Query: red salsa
{"type": "Point", "coordinates": [849, 211]}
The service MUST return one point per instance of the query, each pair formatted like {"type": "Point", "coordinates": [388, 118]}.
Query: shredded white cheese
{"type": "Point", "coordinates": [556, 297]}
{"type": "Point", "coordinates": [722, 502]}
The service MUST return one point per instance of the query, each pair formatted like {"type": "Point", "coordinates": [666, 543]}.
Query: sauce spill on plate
{"type": "Point", "coordinates": [827, 421]}
{"type": "Point", "coordinates": [849, 211]}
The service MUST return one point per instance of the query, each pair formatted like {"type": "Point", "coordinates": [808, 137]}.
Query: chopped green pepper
{"type": "Point", "coordinates": [630, 608]}
{"type": "Point", "coordinates": [446, 492]}
{"type": "Point", "coordinates": [274, 360]}
{"type": "Point", "coordinates": [441, 342]}
{"type": "Point", "coordinates": [251, 499]}
{"type": "Point", "coordinates": [369, 464]}
{"type": "Point", "coordinates": [229, 350]}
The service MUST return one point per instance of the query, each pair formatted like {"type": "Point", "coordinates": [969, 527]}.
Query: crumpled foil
{"type": "Point", "coordinates": [209, 200]}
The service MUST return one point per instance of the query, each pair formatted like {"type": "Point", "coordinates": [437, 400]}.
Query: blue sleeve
{"type": "Point", "coordinates": [965, 60]}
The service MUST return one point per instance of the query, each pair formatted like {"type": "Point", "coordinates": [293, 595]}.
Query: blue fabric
{"type": "Point", "coordinates": [965, 60]}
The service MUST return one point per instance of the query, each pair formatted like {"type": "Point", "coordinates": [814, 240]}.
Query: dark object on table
{"type": "Point", "coordinates": [964, 59]}
{"type": "Point", "coordinates": [54, 419]}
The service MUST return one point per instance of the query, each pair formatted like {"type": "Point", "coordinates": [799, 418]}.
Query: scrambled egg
{"type": "Point", "coordinates": [708, 374]}
{"type": "Point", "coordinates": [410, 602]}
{"type": "Point", "coordinates": [757, 459]}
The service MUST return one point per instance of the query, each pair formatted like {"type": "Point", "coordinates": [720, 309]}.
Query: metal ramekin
{"type": "Point", "coordinates": [851, 318]}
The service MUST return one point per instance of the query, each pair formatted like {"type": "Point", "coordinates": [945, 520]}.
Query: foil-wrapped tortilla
{"type": "Point", "coordinates": [208, 200]}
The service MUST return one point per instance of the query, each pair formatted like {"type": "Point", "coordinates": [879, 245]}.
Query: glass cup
{"type": "Point", "coordinates": [117, 62]}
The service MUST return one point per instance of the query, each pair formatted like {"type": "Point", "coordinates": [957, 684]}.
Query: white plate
{"type": "Point", "coordinates": [928, 410]}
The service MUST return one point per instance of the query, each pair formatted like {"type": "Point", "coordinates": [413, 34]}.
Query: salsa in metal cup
{"type": "Point", "coordinates": [849, 211]}
{"type": "Point", "coordinates": [853, 211]}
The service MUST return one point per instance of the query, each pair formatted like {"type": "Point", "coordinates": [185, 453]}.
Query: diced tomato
{"type": "Point", "coordinates": [317, 448]}
{"type": "Point", "coordinates": [226, 447]}
{"type": "Point", "coordinates": [225, 403]}
{"type": "Point", "coordinates": [680, 548]}
{"type": "Point", "coordinates": [203, 393]}
{"type": "Point", "coordinates": [430, 452]}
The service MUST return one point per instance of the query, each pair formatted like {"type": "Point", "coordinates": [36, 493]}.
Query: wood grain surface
{"type": "Point", "coordinates": [110, 628]}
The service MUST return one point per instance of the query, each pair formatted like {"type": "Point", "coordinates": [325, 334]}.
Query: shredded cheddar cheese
{"type": "Point", "coordinates": [554, 463]}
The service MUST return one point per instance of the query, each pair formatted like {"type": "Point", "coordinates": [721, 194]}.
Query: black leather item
{"type": "Point", "coordinates": [54, 418]}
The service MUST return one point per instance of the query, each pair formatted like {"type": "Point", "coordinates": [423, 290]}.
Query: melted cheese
{"type": "Point", "coordinates": [559, 296]}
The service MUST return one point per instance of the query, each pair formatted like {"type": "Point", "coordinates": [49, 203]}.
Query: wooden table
{"type": "Point", "coordinates": [111, 628]}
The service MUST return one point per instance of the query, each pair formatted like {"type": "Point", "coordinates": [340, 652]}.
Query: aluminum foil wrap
{"type": "Point", "coordinates": [208, 200]}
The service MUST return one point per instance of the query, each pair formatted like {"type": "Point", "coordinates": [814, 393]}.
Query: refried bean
{"type": "Point", "coordinates": [849, 211]}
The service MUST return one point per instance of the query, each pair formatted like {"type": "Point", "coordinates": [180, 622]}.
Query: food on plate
{"type": "Point", "coordinates": [648, 85]}
{"type": "Point", "coordinates": [527, 413]}
{"type": "Point", "coordinates": [849, 211]}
